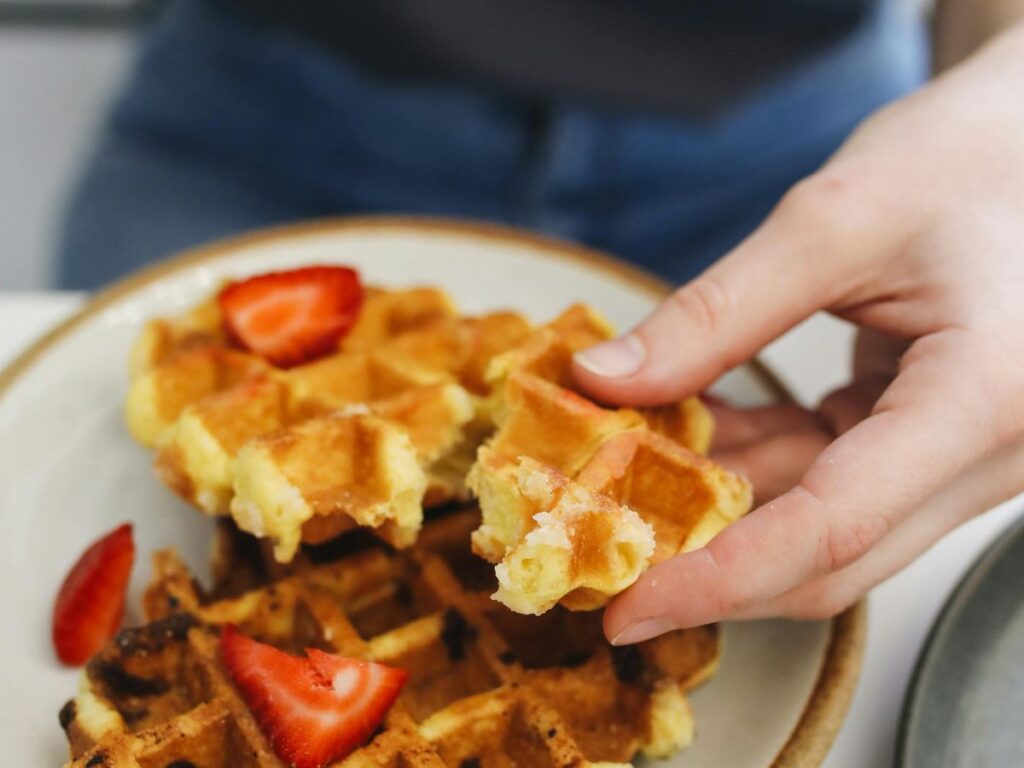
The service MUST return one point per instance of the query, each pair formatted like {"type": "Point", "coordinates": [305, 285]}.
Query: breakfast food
{"type": "Point", "coordinates": [577, 499]}
{"type": "Point", "coordinates": [485, 686]}
{"type": "Point", "coordinates": [290, 317]}
{"type": "Point", "coordinates": [314, 709]}
{"type": "Point", "coordinates": [414, 406]}
{"type": "Point", "coordinates": [396, 407]}
{"type": "Point", "coordinates": [90, 603]}
{"type": "Point", "coordinates": [420, 515]}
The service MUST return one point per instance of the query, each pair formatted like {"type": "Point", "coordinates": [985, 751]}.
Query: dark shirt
{"type": "Point", "coordinates": [679, 56]}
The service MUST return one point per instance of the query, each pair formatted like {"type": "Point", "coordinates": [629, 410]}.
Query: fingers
{"type": "Point", "coordinates": [772, 446]}
{"type": "Point", "coordinates": [775, 463]}
{"type": "Point", "coordinates": [841, 410]}
{"type": "Point", "coordinates": [800, 260]}
{"type": "Point", "coordinates": [753, 560]}
{"type": "Point", "coordinates": [877, 355]}
{"type": "Point", "coordinates": [741, 427]}
{"type": "Point", "coordinates": [860, 487]}
{"type": "Point", "coordinates": [980, 488]}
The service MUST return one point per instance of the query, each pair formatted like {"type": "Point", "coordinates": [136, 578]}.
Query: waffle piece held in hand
{"type": "Point", "coordinates": [579, 500]}
{"type": "Point", "coordinates": [487, 687]}
{"type": "Point", "coordinates": [366, 436]}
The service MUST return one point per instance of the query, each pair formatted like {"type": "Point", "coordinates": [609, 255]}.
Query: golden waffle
{"type": "Point", "coordinates": [163, 337]}
{"type": "Point", "coordinates": [391, 424]}
{"type": "Point", "coordinates": [686, 498]}
{"type": "Point", "coordinates": [158, 396]}
{"type": "Point", "coordinates": [547, 351]}
{"type": "Point", "coordinates": [547, 354]}
{"type": "Point", "coordinates": [487, 687]}
{"type": "Point", "coordinates": [366, 436]}
{"type": "Point", "coordinates": [177, 361]}
{"type": "Point", "coordinates": [578, 500]}
{"type": "Point", "coordinates": [386, 314]}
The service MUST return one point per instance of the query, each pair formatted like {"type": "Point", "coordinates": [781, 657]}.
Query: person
{"type": "Point", "coordinates": [665, 132]}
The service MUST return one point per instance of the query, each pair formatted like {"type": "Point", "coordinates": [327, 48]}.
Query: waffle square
{"type": "Point", "coordinates": [578, 500]}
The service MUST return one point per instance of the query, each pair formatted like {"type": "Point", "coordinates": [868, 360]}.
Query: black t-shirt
{"type": "Point", "coordinates": [679, 56]}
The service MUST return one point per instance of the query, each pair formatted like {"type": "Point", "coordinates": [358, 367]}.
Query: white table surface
{"type": "Point", "coordinates": [811, 360]}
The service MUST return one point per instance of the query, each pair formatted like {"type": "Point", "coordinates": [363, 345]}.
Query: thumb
{"type": "Point", "coordinates": [790, 267]}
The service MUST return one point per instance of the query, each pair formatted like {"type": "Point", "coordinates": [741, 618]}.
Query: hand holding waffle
{"type": "Point", "coordinates": [914, 235]}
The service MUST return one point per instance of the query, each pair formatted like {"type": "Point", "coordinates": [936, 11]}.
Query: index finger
{"type": "Point", "coordinates": [771, 281]}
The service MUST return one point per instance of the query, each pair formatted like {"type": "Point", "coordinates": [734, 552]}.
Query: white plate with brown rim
{"type": "Point", "coordinates": [69, 471]}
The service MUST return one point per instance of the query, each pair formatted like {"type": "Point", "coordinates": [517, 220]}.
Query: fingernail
{"type": "Point", "coordinates": [639, 631]}
{"type": "Point", "coordinates": [620, 357]}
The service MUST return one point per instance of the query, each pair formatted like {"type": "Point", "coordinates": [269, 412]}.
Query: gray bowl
{"type": "Point", "coordinates": [965, 704]}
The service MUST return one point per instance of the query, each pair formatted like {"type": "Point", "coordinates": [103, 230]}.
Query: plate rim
{"type": "Point", "coordinates": [826, 707]}
{"type": "Point", "coordinates": [952, 608]}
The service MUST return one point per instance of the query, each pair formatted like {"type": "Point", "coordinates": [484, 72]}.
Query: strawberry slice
{"type": "Point", "coordinates": [90, 604]}
{"type": "Point", "coordinates": [292, 317]}
{"type": "Point", "coordinates": [314, 710]}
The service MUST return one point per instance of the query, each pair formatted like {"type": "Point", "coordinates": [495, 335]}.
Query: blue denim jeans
{"type": "Point", "coordinates": [225, 125]}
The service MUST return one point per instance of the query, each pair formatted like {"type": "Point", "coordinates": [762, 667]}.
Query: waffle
{"type": "Point", "coordinates": [578, 500]}
{"type": "Point", "coordinates": [487, 687]}
{"type": "Point", "coordinates": [546, 354]}
{"type": "Point", "coordinates": [177, 361]}
{"type": "Point", "coordinates": [399, 409]}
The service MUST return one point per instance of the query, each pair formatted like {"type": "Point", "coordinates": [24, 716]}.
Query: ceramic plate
{"type": "Point", "coordinates": [69, 471]}
{"type": "Point", "coordinates": [965, 705]}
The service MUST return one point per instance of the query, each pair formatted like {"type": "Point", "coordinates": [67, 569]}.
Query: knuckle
{"type": "Point", "coordinates": [1009, 422]}
{"type": "Point", "coordinates": [726, 600]}
{"type": "Point", "coordinates": [705, 303]}
{"type": "Point", "coordinates": [991, 417]}
{"type": "Point", "coordinates": [819, 199]}
{"type": "Point", "coordinates": [847, 543]}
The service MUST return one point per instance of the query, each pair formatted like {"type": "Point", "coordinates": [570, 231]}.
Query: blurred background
{"type": "Point", "coordinates": [61, 61]}
{"type": "Point", "coordinates": [59, 66]}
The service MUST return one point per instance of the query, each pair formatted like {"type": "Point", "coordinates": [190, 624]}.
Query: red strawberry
{"type": "Point", "coordinates": [90, 603]}
{"type": "Point", "coordinates": [295, 316]}
{"type": "Point", "coordinates": [314, 710]}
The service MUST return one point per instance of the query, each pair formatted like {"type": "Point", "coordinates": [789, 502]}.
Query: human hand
{"type": "Point", "coordinates": [914, 231]}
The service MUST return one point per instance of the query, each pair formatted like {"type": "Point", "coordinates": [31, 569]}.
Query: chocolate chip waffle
{"type": "Point", "coordinates": [487, 687]}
